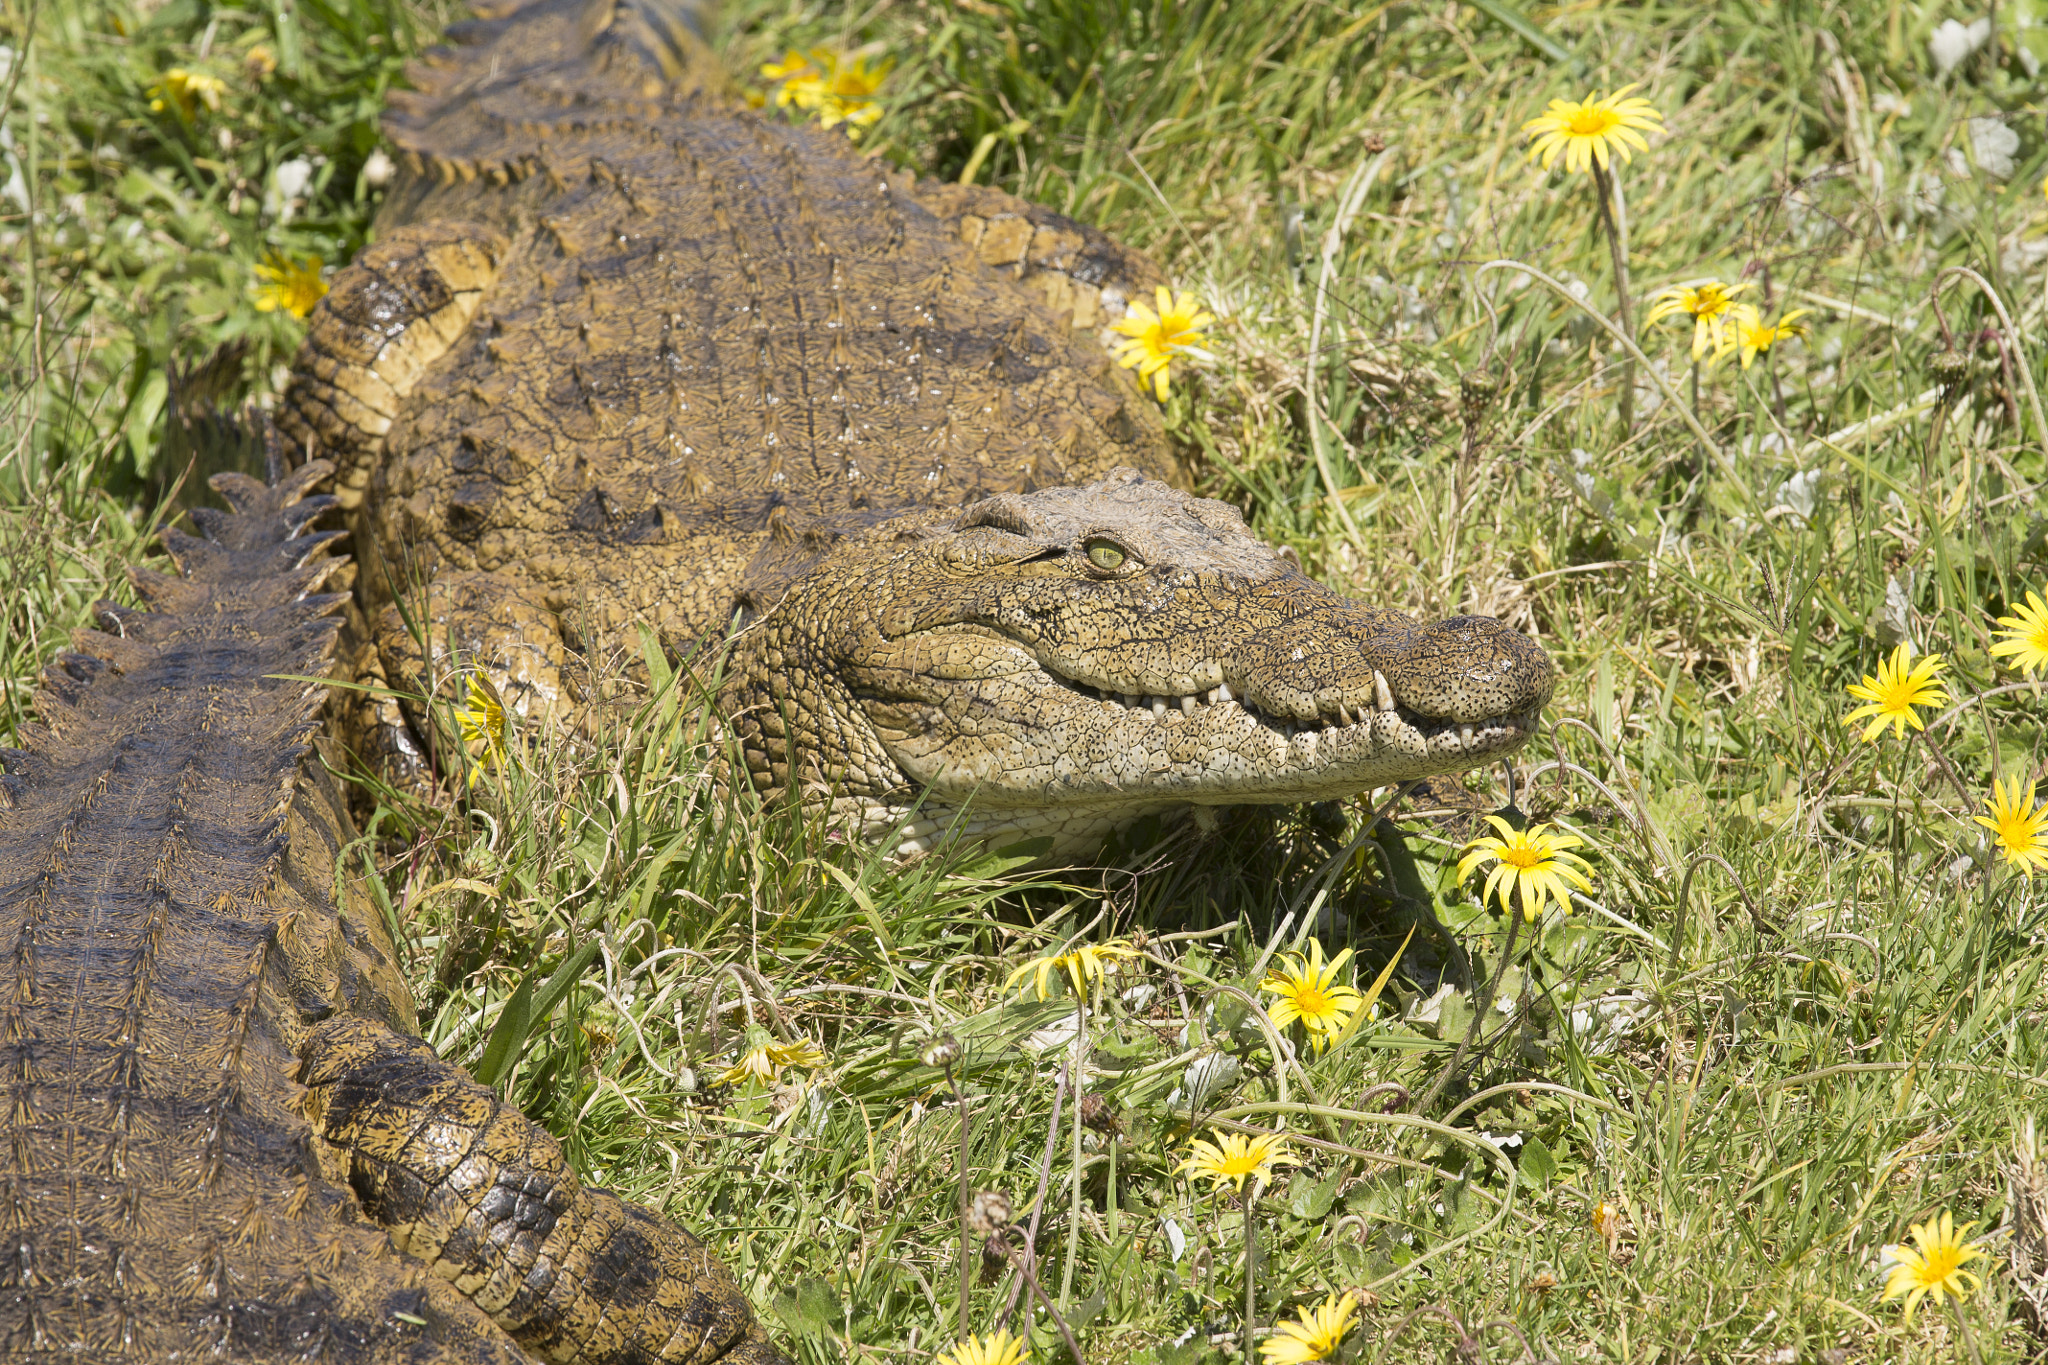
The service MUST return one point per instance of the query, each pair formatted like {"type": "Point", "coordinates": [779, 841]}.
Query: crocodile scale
{"type": "Point", "coordinates": [219, 1139]}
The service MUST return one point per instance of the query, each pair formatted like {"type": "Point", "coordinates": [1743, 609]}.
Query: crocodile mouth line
{"type": "Point", "coordinates": [1219, 702]}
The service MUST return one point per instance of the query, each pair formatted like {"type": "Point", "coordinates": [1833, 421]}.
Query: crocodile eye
{"type": "Point", "coordinates": [1105, 554]}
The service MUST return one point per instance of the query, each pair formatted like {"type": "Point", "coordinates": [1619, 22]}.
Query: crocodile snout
{"type": "Point", "coordinates": [1348, 658]}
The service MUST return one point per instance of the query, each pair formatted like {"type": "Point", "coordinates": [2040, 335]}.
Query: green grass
{"type": "Point", "coordinates": [1807, 1013]}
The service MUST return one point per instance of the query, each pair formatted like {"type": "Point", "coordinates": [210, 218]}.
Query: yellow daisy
{"type": "Point", "coordinates": [838, 87]}
{"type": "Point", "coordinates": [184, 91]}
{"type": "Point", "coordinates": [2026, 634]}
{"type": "Point", "coordinates": [850, 89]}
{"type": "Point", "coordinates": [2018, 829]}
{"type": "Point", "coordinates": [1235, 1158]}
{"type": "Point", "coordinates": [1895, 691]}
{"type": "Point", "coordinates": [997, 1348]}
{"type": "Point", "coordinates": [797, 83]}
{"type": "Point", "coordinates": [1529, 861]}
{"type": "Point", "coordinates": [1083, 964]}
{"type": "Point", "coordinates": [483, 722]}
{"type": "Point", "coordinates": [290, 286]}
{"type": "Point", "coordinates": [1154, 339]}
{"type": "Point", "coordinates": [1711, 306]}
{"type": "Point", "coordinates": [1591, 130]}
{"type": "Point", "coordinates": [1935, 1268]}
{"type": "Point", "coordinates": [1750, 336]}
{"type": "Point", "coordinates": [1314, 1336]}
{"type": "Point", "coordinates": [764, 1061]}
{"type": "Point", "coordinates": [1308, 990]}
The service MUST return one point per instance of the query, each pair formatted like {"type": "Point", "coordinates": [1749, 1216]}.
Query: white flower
{"type": "Point", "coordinates": [377, 171]}
{"type": "Point", "coordinates": [1952, 43]}
{"type": "Point", "coordinates": [1993, 143]}
{"type": "Point", "coordinates": [1796, 494]}
{"type": "Point", "coordinates": [288, 181]}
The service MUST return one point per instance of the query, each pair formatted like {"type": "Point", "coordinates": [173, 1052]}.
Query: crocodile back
{"type": "Point", "coordinates": [167, 933]}
{"type": "Point", "coordinates": [710, 329]}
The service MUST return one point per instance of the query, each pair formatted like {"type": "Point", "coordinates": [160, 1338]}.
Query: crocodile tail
{"type": "Point", "coordinates": [526, 73]}
{"type": "Point", "coordinates": [462, 1180]}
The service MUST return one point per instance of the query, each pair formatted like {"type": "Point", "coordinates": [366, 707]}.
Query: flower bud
{"type": "Point", "coordinates": [1477, 388]}
{"type": "Point", "coordinates": [988, 1213]}
{"type": "Point", "coordinates": [1949, 367]}
{"type": "Point", "coordinates": [943, 1050]}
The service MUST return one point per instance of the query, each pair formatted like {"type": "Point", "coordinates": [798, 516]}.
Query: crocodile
{"type": "Point", "coordinates": [222, 1138]}
{"type": "Point", "coordinates": [630, 361]}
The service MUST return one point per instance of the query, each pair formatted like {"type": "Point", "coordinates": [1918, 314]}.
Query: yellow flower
{"type": "Point", "coordinates": [2019, 830]}
{"type": "Point", "coordinates": [260, 61]}
{"type": "Point", "coordinates": [1156, 338]}
{"type": "Point", "coordinates": [1710, 304]}
{"type": "Point", "coordinates": [483, 722]}
{"type": "Point", "coordinates": [1936, 1267]}
{"type": "Point", "coordinates": [1315, 1335]}
{"type": "Point", "coordinates": [1234, 1158]}
{"type": "Point", "coordinates": [290, 286]}
{"type": "Point", "coordinates": [1895, 691]}
{"type": "Point", "coordinates": [184, 91]}
{"type": "Point", "coordinates": [838, 87]}
{"type": "Point", "coordinates": [797, 82]}
{"type": "Point", "coordinates": [754, 1063]}
{"type": "Point", "coordinates": [1751, 336]}
{"type": "Point", "coordinates": [1591, 130]}
{"type": "Point", "coordinates": [997, 1348]}
{"type": "Point", "coordinates": [1527, 860]}
{"type": "Point", "coordinates": [1309, 991]}
{"type": "Point", "coordinates": [2026, 634]}
{"type": "Point", "coordinates": [764, 1061]}
{"type": "Point", "coordinates": [1086, 963]}
{"type": "Point", "coordinates": [1606, 1220]}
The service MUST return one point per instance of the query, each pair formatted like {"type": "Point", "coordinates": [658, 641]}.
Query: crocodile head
{"type": "Point", "coordinates": [1071, 659]}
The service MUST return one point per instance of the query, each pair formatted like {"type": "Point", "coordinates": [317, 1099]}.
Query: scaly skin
{"type": "Point", "coordinates": [992, 658]}
{"type": "Point", "coordinates": [177, 964]}
{"type": "Point", "coordinates": [630, 358]}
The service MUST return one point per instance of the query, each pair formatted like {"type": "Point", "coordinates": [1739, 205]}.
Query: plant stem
{"type": "Point", "coordinates": [1963, 1330]}
{"type": "Point", "coordinates": [1607, 190]}
{"type": "Point", "coordinates": [1074, 1186]}
{"type": "Point", "coordinates": [1480, 1009]}
{"type": "Point", "coordinates": [1251, 1268]}
{"type": "Point", "coordinates": [1052, 1134]}
{"type": "Point", "coordinates": [966, 1263]}
{"type": "Point", "coordinates": [1941, 761]}
{"type": "Point", "coordinates": [1023, 1263]}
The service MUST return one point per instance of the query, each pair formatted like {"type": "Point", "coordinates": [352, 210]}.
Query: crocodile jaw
{"type": "Point", "coordinates": [1037, 739]}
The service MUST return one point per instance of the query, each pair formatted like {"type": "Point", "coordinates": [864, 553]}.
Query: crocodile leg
{"type": "Point", "coordinates": [401, 304]}
{"type": "Point", "coordinates": [394, 311]}
{"type": "Point", "coordinates": [465, 1182]}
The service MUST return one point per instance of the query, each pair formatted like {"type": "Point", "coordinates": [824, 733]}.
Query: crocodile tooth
{"type": "Point", "coordinates": [1465, 735]}
{"type": "Point", "coordinates": [1159, 707]}
{"type": "Point", "coordinates": [1130, 701]}
{"type": "Point", "coordinates": [1344, 714]}
{"type": "Point", "coordinates": [1187, 705]}
{"type": "Point", "coordinates": [1222, 693]}
{"type": "Point", "coordinates": [1382, 693]}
